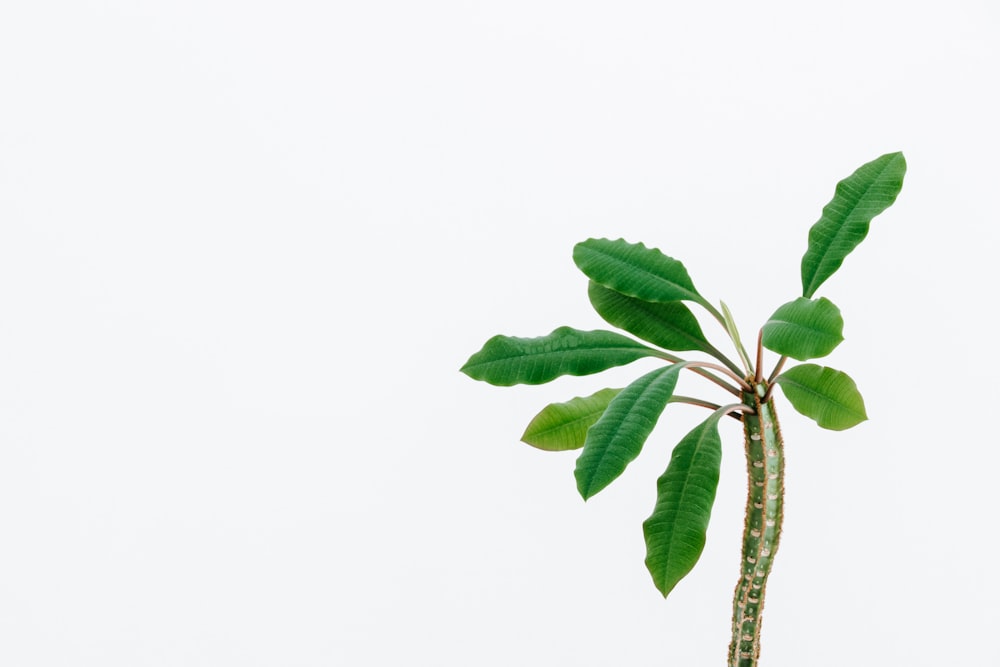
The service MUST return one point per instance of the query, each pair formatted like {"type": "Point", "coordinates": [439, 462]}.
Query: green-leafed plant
{"type": "Point", "coordinates": [643, 292]}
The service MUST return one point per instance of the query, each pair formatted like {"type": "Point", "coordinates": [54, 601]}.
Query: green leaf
{"type": "Point", "coordinates": [618, 436]}
{"type": "Point", "coordinates": [670, 325]}
{"type": "Point", "coordinates": [635, 270]}
{"type": "Point", "coordinates": [507, 360]}
{"type": "Point", "coordinates": [804, 329]}
{"type": "Point", "coordinates": [734, 335]}
{"type": "Point", "coordinates": [563, 426]}
{"type": "Point", "coordinates": [844, 223]}
{"type": "Point", "coordinates": [675, 532]}
{"type": "Point", "coordinates": [826, 395]}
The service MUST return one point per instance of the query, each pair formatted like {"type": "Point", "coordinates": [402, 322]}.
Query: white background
{"type": "Point", "coordinates": [245, 247]}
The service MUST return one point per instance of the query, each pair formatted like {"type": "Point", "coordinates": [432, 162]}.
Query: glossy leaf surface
{"type": "Point", "coordinates": [670, 325]}
{"type": "Point", "coordinates": [826, 395]}
{"type": "Point", "coordinates": [635, 270]}
{"type": "Point", "coordinates": [675, 532]}
{"type": "Point", "coordinates": [618, 436]}
{"type": "Point", "coordinates": [563, 426]}
{"type": "Point", "coordinates": [804, 329]}
{"type": "Point", "coordinates": [508, 360]}
{"type": "Point", "coordinates": [845, 220]}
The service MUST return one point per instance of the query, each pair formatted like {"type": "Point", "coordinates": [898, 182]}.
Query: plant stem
{"type": "Point", "coordinates": [700, 371]}
{"type": "Point", "coordinates": [715, 352]}
{"type": "Point", "coordinates": [762, 529]}
{"type": "Point", "coordinates": [676, 398]}
{"type": "Point", "coordinates": [772, 376]}
{"type": "Point", "coordinates": [733, 376]}
{"type": "Point", "coordinates": [713, 311]}
{"type": "Point", "coordinates": [777, 369]}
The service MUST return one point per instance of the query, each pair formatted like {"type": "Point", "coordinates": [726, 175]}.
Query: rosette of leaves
{"type": "Point", "coordinates": [648, 297]}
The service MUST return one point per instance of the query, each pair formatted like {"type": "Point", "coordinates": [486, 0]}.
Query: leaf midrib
{"type": "Point", "coordinates": [638, 348]}
{"type": "Point", "coordinates": [841, 228]}
{"type": "Point", "coordinates": [821, 332]}
{"type": "Point", "coordinates": [825, 397]}
{"type": "Point", "coordinates": [691, 296]}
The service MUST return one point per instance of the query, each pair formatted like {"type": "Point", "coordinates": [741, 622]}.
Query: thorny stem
{"type": "Point", "coordinates": [762, 529]}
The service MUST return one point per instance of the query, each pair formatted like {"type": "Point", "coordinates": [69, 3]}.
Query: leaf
{"type": "Point", "coordinates": [618, 436]}
{"type": "Point", "coordinates": [507, 360]}
{"type": "Point", "coordinates": [635, 270]}
{"type": "Point", "coordinates": [675, 532]}
{"type": "Point", "coordinates": [563, 426]}
{"type": "Point", "coordinates": [670, 325]}
{"type": "Point", "coordinates": [826, 395]}
{"type": "Point", "coordinates": [844, 223]}
{"type": "Point", "coordinates": [804, 329]}
{"type": "Point", "coordinates": [730, 324]}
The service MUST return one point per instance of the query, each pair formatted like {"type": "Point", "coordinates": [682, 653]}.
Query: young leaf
{"type": "Point", "coordinates": [826, 395]}
{"type": "Point", "coordinates": [507, 360]}
{"type": "Point", "coordinates": [563, 426]}
{"type": "Point", "coordinates": [670, 325]}
{"type": "Point", "coordinates": [844, 223]}
{"type": "Point", "coordinates": [618, 436]}
{"type": "Point", "coordinates": [675, 532]}
{"type": "Point", "coordinates": [734, 335]}
{"type": "Point", "coordinates": [804, 329]}
{"type": "Point", "coordinates": [635, 270]}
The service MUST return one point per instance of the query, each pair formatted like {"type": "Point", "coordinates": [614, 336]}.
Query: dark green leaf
{"type": "Point", "coordinates": [635, 270]}
{"type": "Point", "coordinates": [826, 395]}
{"type": "Point", "coordinates": [618, 436]}
{"type": "Point", "coordinates": [675, 532]}
{"type": "Point", "coordinates": [670, 325]}
{"type": "Point", "coordinates": [844, 223]}
{"type": "Point", "coordinates": [562, 426]}
{"type": "Point", "coordinates": [804, 329]}
{"type": "Point", "coordinates": [507, 360]}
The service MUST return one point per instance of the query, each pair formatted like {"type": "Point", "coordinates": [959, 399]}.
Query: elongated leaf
{"type": "Point", "coordinates": [507, 360]}
{"type": "Point", "coordinates": [844, 223]}
{"type": "Point", "coordinates": [563, 426]}
{"type": "Point", "coordinates": [635, 270]}
{"type": "Point", "coordinates": [670, 325]}
{"type": "Point", "coordinates": [804, 329]}
{"type": "Point", "coordinates": [675, 532]}
{"type": "Point", "coordinates": [618, 436]}
{"type": "Point", "coordinates": [826, 395]}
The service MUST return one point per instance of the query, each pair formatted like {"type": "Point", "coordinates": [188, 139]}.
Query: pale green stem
{"type": "Point", "coordinates": [759, 375]}
{"type": "Point", "coordinates": [730, 324]}
{"type": "Point", "coordinates": [714, 312]}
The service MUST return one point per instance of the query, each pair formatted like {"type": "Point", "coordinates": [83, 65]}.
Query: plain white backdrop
{"type": "Point", "coordinates": [246, 246]}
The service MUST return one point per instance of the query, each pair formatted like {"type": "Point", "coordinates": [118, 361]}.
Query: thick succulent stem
{"type": "Point", "coordinates": [762, 530]}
